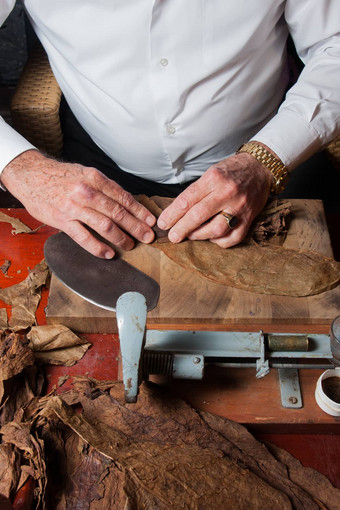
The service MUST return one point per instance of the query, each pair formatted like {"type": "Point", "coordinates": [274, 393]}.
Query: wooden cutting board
{"type": "Point", "coordinates": [188, 301]}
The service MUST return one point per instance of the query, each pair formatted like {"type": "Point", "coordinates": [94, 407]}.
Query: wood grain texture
{"type": "Point", "coordinates": [190, 301]}
{"type": "Point", "coordinates": [236, 394]}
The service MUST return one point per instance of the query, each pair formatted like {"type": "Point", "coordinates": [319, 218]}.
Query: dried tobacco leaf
{"type": "Point", "coordinates": [62, 380]}
{"type": "Point", "coordinates": [264, 269]}
{"type": "Point", "coordinates": [10, 462]}
{"type": "Point", "coordinates": [26, 441]}
{"type": "Point", "coordinates": [308, 479]}
{"type": "Point", "coordinates": [150, 204]}
{"type": "Point", "coordinates": [15, 355]}
{"type": "Point", "coordinates": [18, 226]}
{"type": "Point", "coordinates": [161, 236]}
{"type": "Point", "coordinates": [3, 319]}
{"type": "Point", "coordinates": [158, 453]}
{"type": "Point", "coordinates": [66, 356]}
{"type": "Point", "coordinates": [270, 224]}
{"type": "Point", "coordinates": [172, 475]}
{"type": "Point", "coordinates": [166, 455]}
{"type": "Point", "coordinates": [5, 267]}
{"type": "Point", "coordinates": [25, 297]}
{"type": "Point", "coordinates": [267, 268]}
{"type": "Point", "coordinates": [18, 392]}
{"type": "Point", "coordinates": [57, 345]}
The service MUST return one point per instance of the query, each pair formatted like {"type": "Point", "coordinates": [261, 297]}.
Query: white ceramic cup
{"type": "Point", "coordinates": [326, 404]}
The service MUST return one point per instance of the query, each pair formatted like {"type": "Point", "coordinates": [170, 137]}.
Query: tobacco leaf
{"type": "Point", "coordinates": [5, 267]}
{"type": "Point", "coordinates": [3, 319]}
{"type": "Point", "coordinates": [25, 297]}
{"type": "Point", "coordinates": [265, 269]}
{"type": "Point", "coordinates": [18, 392]}
{"type": "Point", "coordinates": [150, 204]}
{"type": "Point", "coordinates": [15, 355]}
{"type": "Point", "coordinates": [309, 479]}
{"type": "Point", "coordinates": [171, 475]}
{"type": "Point", "coordinates": [161, 236]}
{"type": "Point", "coordinates": [66, 356]}
{"type": "Point", "coordinates": [268, 226]}
{"type": "Point", "coordinates": [171, 421]}
{"type": "Point", "coordinates": [26, 441]}
{"type": "Point", "coordinates": [166, 455]}
{"type": "Point", "coordinates": [259, 264]}
{"type": "Point", "coordinates": [56, 345]}
{"type": "Point", "coordinates": [158, 453]}
{"type": "Point", "coordinates": [18, 226]}
{"type": "Point", "coordinates": [10, 462]}
{"type": "Point", "coordinates": [271, 224]}
{"type": "Point", "coordinates": [62, 380]}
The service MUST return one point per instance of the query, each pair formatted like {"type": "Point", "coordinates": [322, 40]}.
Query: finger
{"type": "Point", "coordinates": [197, 217]}
{"type": "Point", "coordinates": [123, 218]}
{"type": "Point", "coordinates": [233, 238]}
{"type": "Point", "coordinates": [114, 211]}
{"type": "Point", "coordinates": [181, 205]}
{"type": "Point", "coordinates": [88, 241]}
{"type": "Point", "coordinates": [212, 185]}
{"type": "Point", "coordinates": [116, 193]}
{"type": "Point", "coordinates": [216, 228]}
{"type": "Point", "coordinates": [106, 227]}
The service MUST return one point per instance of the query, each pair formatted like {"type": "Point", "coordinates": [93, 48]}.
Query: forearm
{"type": "Point", "coordinates": [72, 197]}
{"type": "Point", "coordinates": [309, 118]}
{"type": "Point", "coordinates": [16, 175]}
{"type": "Point", "coordinates": [12, 144]}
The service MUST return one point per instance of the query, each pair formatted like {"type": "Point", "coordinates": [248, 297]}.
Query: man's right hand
{"type": "Point", "coordinates": [71, 197]}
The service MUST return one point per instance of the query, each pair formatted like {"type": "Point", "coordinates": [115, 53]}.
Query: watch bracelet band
{"type": "Point", "coordinates": [274, 164]}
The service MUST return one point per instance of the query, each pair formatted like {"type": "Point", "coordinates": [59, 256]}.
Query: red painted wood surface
{"type": "Point", "coordinates": [320, 451]}
{"type": "Point", "coordinates": [24, 251]}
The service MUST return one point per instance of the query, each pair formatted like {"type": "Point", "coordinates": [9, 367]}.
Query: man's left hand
{"type": "Point", "coordinates": [238, 185]}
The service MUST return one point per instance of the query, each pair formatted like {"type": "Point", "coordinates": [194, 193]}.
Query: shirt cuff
{"type": "Point", "coordinates": [12, 144]}
{"type": "Point", "coordinates": [292, 138]}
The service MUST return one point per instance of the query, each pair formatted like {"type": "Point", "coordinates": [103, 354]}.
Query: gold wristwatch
{"type": "Point", "coordinates": [275, 165]}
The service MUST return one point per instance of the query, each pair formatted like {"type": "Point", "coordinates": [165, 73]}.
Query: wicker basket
{"type": "Point", "coordinates": [35, 104]}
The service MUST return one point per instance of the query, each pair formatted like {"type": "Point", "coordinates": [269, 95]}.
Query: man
{"type": "Point", "coordinates": [169, 90]}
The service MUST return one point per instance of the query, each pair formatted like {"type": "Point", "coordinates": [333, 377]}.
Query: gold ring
{"type": "Point", "coordinates": [231, 219]}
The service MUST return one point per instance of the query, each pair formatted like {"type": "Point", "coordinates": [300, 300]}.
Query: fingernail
{"type": "Point", "coordinates": [174, 237]}
{"type": "Point", "coordinates": [109, 255]}
{"type": "Point", "coordinates": [162, 224]}
{"type": "Point", "coordinates": [150, 220]}
{"type": "Point", "coordinates": [148, 237]}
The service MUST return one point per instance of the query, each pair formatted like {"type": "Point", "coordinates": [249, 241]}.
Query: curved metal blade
{"type": "Point", "coordinates": [97, 280]}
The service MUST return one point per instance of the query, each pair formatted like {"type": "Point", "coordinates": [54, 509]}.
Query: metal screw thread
{"type": "Point", "coordinates": [157, 363]}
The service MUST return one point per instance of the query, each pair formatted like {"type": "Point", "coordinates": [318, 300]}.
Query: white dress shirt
{"type": "Point", "coordinates": [168, 87]}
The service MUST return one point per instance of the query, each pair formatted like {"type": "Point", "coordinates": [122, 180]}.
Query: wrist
{"type": "Point", "coordinates": [270, 161]}
{"type": "Point", "coordinates": [10, 173]}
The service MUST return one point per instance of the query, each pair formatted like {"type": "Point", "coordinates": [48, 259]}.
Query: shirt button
{"type": "Point", "coordinates": [171, 129]}
{"type": "Point", "coordinates": [164, 62]}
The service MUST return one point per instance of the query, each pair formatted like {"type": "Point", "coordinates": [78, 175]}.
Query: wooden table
{"type": "Point", "coordinates": [309, 433]}
{"type": "Point", "coordinates": [189, 301]}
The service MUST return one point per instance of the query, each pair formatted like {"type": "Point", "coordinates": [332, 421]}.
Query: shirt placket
{"type": "Point", "coordinates": [164, 75]}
